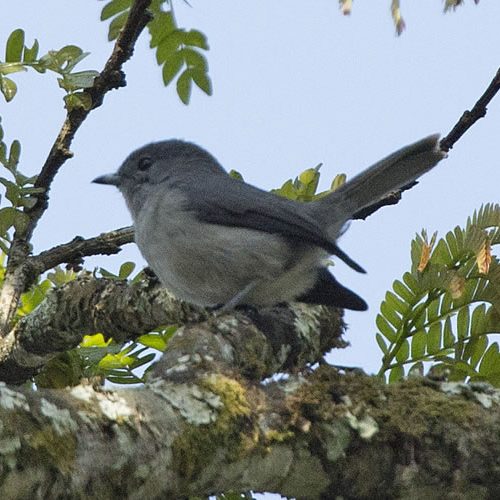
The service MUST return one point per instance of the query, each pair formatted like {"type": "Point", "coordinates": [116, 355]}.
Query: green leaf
{"type": "Point", "coordinates": [60, 277]}
{"type": "Point", "coordinates": [381, 343]}
{"type": "Point", "coordinates": [14, 154]}
{"type": "Point", "coordinates": [7, 218]}
{"type": "Point", "coordinates": [390, 314]}
{"type": "Point", "coordinates": [171, 67]}
{"type": "Point", "coordinates": [160, 26]}
{"type": "Point", "coordinates": [118, 360]}
{"type": "Point", "coordinates": [184, 85]}
{"type": "Point", "coordinates": [9, 68]}
{"type": "Point", "coordinates": [8, 88]}
{"type": "Point", "coordinates": [14, 47]}
{"type": "Point", "coordinates": [126, 269]}
{"type": "Point", "coordinates": [418, 344]}
{"type": "Point", "coordinates": [30, 55]}
{"type": "Point", "coordinates": [403, 292]}
{"type": "Point", "coordinates": [403, 352]}
{"type": "Point", "coordinates": [202, 80]}
{"type": "Point", "coordinates": [78, 100]}
{"type": "Point", "coordinates": [434, 338]}
{"type": "Point", "coordinates": [448, 337]}
{"type": "Point", "coordinates": [463, 323]}
{"type": "Point", "coordinates": [116, 25]}
{"type": "Point", "coordinates": [33, 298]}
{"type": "Point", "coordinates": [114, 7]}
{"type": "Point", "coordinates": [126, 378]}
{"type": "Point", "coordinates": [155, 341]}
{"type": "Point", "coordinates": [195, 38]}
{"type": "Point", "coordinates": [143, 361]}
{"type": "Point", "coordinates": [78, 80]}
{"type": "Point", "coordinates": [21, 221]}
{"type": "Point", "coordinates": [69, 56]}
{"type": "Point", "coordinates": [394, 302]}
{"type": "Point", "coordinates": [475, 349]}
{"type": "Point", "coordinates": [96, 340]}
{"type": "Point", "coordinates": [196, 60]}
{"type": "Point", "coordinates": [168, 46]}
{"type": "Point", "coordinates": [12, 191]}
{"type": "Point", "coordinates": [396, 374]}
{"type": "Point", "coordinates": [491, 360]}
{"type": "Point", "coordinates": [386, 329]}
{"type": "Point", "coordinates": [235, 175]}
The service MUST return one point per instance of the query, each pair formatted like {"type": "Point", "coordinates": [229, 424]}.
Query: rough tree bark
{"type": "Point", "coordinates": [207, 421]}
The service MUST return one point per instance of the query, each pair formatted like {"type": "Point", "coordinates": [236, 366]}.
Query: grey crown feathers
{"type": "Point", "coordinates": [215, 241]}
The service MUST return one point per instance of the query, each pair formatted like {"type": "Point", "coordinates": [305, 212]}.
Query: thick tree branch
{"type": "Point", "coordinates": [271, 340]}
{"type": "Point", "coordinates": [315, 436]}
{"type": "Point", "coordinates": [111, 77]}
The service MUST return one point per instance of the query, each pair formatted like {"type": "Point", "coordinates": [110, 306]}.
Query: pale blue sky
{"type": "Point", "coordinates": [295, 84]}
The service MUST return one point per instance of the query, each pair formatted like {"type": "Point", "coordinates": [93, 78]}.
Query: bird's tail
{"type": "Point", "coordinates": [376, 182]}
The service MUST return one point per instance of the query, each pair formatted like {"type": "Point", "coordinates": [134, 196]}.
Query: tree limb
{"type": "Point", "coordinates": [316, 436]}
{"type": "Point", "coordinates": [105, 244]}
{"type": "Point", "coordinates": [267, 341]}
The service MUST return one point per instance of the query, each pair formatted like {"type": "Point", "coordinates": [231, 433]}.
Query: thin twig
{"type": "Point", "coordinates": [466, 121]}
{"type": "Point", "coordinates": [110, 78]}
{"type": "Point", "coordinates": [468, 118]}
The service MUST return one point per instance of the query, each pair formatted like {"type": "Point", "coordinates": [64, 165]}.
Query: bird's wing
{"type": "Point", "coordinates": [242, 205]}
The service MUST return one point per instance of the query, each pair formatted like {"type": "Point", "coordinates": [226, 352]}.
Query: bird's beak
{"type": "Point", "coordinates": [111, 179]}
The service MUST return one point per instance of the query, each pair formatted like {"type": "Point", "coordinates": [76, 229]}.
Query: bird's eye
{"type": "Point", "coordinates": [144, 163]}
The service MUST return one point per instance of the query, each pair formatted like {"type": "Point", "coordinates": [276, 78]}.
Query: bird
{"type": "Point", "coordinates": [218, 242]}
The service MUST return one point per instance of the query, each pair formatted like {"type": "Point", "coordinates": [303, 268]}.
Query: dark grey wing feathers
{"type": "Point", "coordinates": [243, 205]}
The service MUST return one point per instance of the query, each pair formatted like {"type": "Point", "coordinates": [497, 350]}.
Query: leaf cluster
{"type": "Point", "coordinates": [447, 307]}
{"type": "Point", "coordinates": [19, 57]}
{"type": "Point", "coordinates": [95, 357]}
{"type": "Point", "coordinates": [178, 51]}
{"type": "Point", "coordinates": [304, 187]}
{"type": "Point", "coordinates": [18, 191]}
{"type": "Point", "coordinates": [99, 359]}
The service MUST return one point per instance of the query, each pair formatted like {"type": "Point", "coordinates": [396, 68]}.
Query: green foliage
{"type": "Point", "coordinates": [304, 187]}
{"type": "Point", "coordinates": [18, 191]}
{"type": "Point", "coordinates": [19, 57]}
{"type": "Point", "coordinates": [97, 358]}
{"type": "Point", "coordinates": [447, 306]}
{"type": "Point", "coordinates": [177, 49]}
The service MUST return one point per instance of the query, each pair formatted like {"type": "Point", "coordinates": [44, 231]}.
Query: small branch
{"type": "Point", "coordinates": [111, 77]}
{"type": "Point", "coordinates": [73, 251]}
{"type": "Point", "coordinates": [466, 121]}
{"type": "Point", "coordinates": [470, 117]}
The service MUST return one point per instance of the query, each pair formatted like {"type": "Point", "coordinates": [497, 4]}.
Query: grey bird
{"type": "Point", "coordinates": [215, 241]}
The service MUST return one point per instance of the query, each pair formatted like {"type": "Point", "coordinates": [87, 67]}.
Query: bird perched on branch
{"type": "Point", "coordinates": [216, 241]}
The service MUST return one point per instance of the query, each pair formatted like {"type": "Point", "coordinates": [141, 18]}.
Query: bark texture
{"type": "Point", "coordinates": [208, 421]}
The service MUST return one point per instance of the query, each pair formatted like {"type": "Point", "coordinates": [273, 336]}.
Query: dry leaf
{"type": "Point", "coordinates": [427, 247]}
{"type": "Point", "coordinates": [456, 286]}
{"type": "Point", "coordinates": [483, 257]}
{"type": "Point", "coordinates": [346, 7]}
